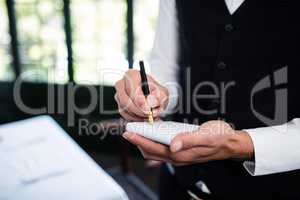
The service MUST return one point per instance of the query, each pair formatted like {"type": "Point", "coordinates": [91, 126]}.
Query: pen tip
{"type": "Point", "coordinates": [150, 118]}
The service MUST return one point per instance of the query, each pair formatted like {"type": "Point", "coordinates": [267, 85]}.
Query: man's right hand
{"type": "Point", "coordinates": [133, 105]}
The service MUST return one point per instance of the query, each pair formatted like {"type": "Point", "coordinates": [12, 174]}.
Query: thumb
{"type": "Point", "coordinates": [186, 141]}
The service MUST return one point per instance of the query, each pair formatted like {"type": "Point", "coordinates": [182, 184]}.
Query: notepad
{"type": "Point", "coordinates": [162, 132]}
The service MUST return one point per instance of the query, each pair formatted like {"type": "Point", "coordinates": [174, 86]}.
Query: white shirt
{"type": "Point", "coordinates": [277, 149]}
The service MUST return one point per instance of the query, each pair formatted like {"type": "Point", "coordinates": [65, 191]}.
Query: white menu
{"type": "Point", "coordinates": [38, 160]}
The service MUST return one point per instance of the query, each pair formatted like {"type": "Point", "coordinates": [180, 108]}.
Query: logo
{"type": "Point", "coordinates": [277, 82]}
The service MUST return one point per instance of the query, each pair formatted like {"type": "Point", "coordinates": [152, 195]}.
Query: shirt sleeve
{"type": "Point", "coordinates": [163, 59]}
{"type": "Point", "coordinates": [277, 149]}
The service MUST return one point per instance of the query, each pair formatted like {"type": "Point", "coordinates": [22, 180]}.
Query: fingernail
{"type": "Point", "coordinates": [152, 101]}
{"type": "Point", "coordinates": [127, 135]}
{"type": "Point", "coordinates": [177, 146]}
{"type": "Point", "coordinates": [146, 109]}
{"type": "Point", "coordinates": [156, 112]}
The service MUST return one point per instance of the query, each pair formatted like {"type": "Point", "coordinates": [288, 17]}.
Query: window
{"type": "Point", "coordinates": [42, 40]}
{"type": "Point", "coordinates": [99, 40]}
{"type": "Point", "coordinates": [145, 16]}
{"type": "Point", "coordinates": [6, 71]}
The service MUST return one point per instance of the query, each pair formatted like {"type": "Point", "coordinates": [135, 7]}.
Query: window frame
{"type": "Point", "coordinates": [13, 32]}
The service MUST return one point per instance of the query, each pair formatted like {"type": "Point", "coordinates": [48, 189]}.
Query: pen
{"type": "Point", "coordinates": [145, 88]}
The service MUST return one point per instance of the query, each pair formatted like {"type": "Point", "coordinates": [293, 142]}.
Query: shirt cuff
{"type": "Point", "coordinates": [276, 149]}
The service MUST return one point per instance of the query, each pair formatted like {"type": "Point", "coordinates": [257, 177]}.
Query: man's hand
{"type": "Point", "coordinates": [215, 140]}
{"type": "Point", "coordinates": [133, 105]}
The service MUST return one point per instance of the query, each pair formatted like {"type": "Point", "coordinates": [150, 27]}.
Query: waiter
{"type": "Point", "coordinates": [230, 66]}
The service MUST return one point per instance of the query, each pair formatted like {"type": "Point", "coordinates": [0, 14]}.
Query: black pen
{"type": "Point", "coordinates": [145, 88]}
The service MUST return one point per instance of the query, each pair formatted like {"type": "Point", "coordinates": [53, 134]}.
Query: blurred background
{"type": "Point", "coordinates": [82, 43]}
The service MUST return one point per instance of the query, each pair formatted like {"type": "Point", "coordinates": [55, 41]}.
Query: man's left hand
{"type": "Point", "coordinates": [214, 140]}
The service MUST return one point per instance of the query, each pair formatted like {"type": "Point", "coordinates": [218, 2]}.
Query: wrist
{"type": "Point", "coordinates": [244, 148]}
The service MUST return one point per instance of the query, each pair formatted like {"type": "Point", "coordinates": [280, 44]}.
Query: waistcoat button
{"type": "Point", "coordinates": [222, 65]}
{"type": "Point", "coordinates": [229, 27]}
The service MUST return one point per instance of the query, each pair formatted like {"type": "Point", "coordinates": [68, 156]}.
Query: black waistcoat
{"type": "Point", "coordinates": [249, 62]}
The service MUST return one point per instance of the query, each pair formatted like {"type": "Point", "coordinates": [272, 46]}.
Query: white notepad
{"type": "Point", "coordinates": [162, 132]}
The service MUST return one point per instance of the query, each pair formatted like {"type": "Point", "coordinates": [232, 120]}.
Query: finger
{"type": "Point", "coordinates": [213, 157]}
{"type": "Point", "coordinates": [130, 107]}
{"type": "Point", "coordinates": [134, 90]}
{"type": "Point", "coordinates": [153, 101]}
{"type": "Point", "coordinates": [162, 96]}
{"type": "Point", "coordinates": [190, 140]}
{"type": "Point", "coordinates": [159, 92]}
{"type": "Point", "coordinates": [150, 156]}
{"type": "Point", "coordinates": [156, 103]}
{"type": "Point", "coordinates": [125, 102]}
{"type": "Point", "coordinates": [132, 86]}
{"type": "Point", "coordinates": [140, 100]}
{"type": "Point", "coordinates": [216, 126]}
{"type": "Point", "coordinates": [130, 117]}
{"type": "Point", "coordinates": [157, 111]}
{"type": "Point", "coordinates": [193, 154]}
{"type": "Point", "coordinates": [147, 145]}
